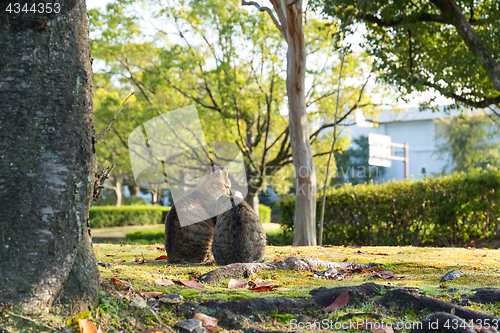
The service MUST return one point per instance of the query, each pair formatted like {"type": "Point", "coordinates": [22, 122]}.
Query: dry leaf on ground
{"type": "Point", "coordinates": [164, 282]}
{"type": "Point", "coordinates": [339, 302]}
{"type": "Point", "coordinates": [190, 284]}
{"type": "Point", "coordinates": [237, 284]}
{"type": "Point", "coordinates": [150, 294]}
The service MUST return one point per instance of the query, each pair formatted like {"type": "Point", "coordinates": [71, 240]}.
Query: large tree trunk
{"type": "Point", "coordinates": [305, 175]}
{"type": "Point", "coordinates": [47, 159]}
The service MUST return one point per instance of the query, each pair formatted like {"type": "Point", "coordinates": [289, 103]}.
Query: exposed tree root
{"type": "Point", "coordinates": [233, 312]}
{"type": "Point", "coordinates": [442, 322]}
{"type": "Point", "coordinates": [484, 296]}
{"type": "Point", "coordinates": [405, 299]}
{"type": "Point", "coordinates": [246, 270]}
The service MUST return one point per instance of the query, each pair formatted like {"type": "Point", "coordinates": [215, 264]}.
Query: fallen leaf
{"type": "Point", "coordinates": [164, 282]}
{"type": "Point", "coordinates": [190, 284]}
{"type": "Point", "coordinates": [385, 329]}
{"type": "Point", "coordinates": [150, 294]}
{"type": "Point", "coordinates": [282, 289]}
{"type": "Point", "coordinates": [86, 326]}
{"type": "Point", "coordinates": [110, 255]}
{"type": "Point", "coordinates": [161, 258]}
{"type": "Point", "coordinates": [205, 320]}
{"type": "Point", "coordinates": [99, 330]}
{"type": "Point", "coordinates": [339, 302]}
{"type": "Point", "coordinates": [117, 281]}
{"type": "Point", "coordinates": [160, 248]}
{"type": "Point", "coordinates": [156, 330]}
{"type": "Point", "coordinates": [372, 254]}
{"type": "Point", "coordinates": [212, 328]}
{"type": "Point", "coordinates": [452, 311]}
{"type": "Point", "coordinates": [237, 284]}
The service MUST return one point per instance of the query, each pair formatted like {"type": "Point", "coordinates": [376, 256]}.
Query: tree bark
{"type": "Point", "coordinates": [305, 176]}
{"type": "Point", "coordinates": [118, 192]}
{"type": "Point", "coordinates": [289, 23]}
{"type": "Point", "coordinates": [252, 197]}
{"type": "Point", "coordinates": [47, 159]}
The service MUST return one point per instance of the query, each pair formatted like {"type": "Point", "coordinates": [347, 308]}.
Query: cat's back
{"type": "Point", "coordinates": [238, 236]}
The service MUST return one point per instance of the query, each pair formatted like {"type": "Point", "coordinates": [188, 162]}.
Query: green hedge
{"type": "Point", "coordinates": [264, 214]}
{"type": "Point", "coordinates": [443, 211]}
{"type": "Point", "coordinates": [112, 216]}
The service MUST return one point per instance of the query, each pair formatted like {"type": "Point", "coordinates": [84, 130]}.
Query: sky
{"type": "Point", "coordinates": [414, 99]}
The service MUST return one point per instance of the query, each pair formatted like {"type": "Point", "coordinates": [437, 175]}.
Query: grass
{"type": "Point", "coordinates": [423, 266]}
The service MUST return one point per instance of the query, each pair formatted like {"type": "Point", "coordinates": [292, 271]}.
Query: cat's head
{"type": "Point", "coordinates": [215, 183]}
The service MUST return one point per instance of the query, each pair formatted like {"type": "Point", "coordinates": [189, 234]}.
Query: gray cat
{"type": "Point", "coordinates": [192, 244]}
{"type": "Point", "coordinates": [238, 235]}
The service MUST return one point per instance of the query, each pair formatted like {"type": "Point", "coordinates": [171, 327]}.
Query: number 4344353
{"type": "Point", "coordinates": [40, 8]}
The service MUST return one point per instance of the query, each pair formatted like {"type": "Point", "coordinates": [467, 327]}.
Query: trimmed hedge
{"type": "Point", "coordinates": [442, 211]}
{"type": "Point", "coordinates": [112, 216]}
{"type": "Point", "coordinates": [264, 214]}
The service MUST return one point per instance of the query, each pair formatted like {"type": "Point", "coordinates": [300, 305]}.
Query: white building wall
{"type": "Point", "coordinates": [418, 129]}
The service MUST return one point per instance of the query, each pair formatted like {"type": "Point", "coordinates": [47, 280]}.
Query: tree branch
{"type": "Point", "coordinates": [454, 15]}
{"type": "Point", "coordinates": [485, 102]}
{"type": "Point", "coordinates": [265, 9]}
{"type": "Point", "coordinates": [116, 114]}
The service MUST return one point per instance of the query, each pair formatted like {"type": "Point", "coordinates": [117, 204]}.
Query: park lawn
{"type": "Point", "coordinates": [423, 267]}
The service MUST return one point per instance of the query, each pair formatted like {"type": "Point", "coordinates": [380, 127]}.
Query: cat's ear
{"type": "Point", "coordinates": [225, 171]}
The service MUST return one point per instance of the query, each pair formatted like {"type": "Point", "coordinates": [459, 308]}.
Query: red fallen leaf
{"type": "Point", "coordinates": [373, 254]}
{"type": "Point", "coordinates": [262, 283]}
{"type": "Point", "coordinates": [339, 302]}
{"type": "Point", "coordinates": [212, 328]}
{"type": "Point", "coordinates": [190, 284]}
{"type": "Point", "coordinates": [282, 289]}
{"type": "Point", "coordinates": [237, 284]}
{"type": "Point", "coordinates": [117, 281]}
{"type": "Point", "coordinates": [161, 258]}
{"type": "Point", "coordinates": [110, 255]}
{"type": "Point", "coordinates": [86, 326]}
{"type": "Point", "coordinates": [262, 288]}
{"type": "Point", "coordinates": [150, 294]}
{"type": "Point", "coordinates": [164, 282]}
{"type": "Point", "coordinates": [381, 274]}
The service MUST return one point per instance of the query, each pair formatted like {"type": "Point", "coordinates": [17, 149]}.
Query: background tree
{"type": "Point", "coordinates": [230, 62]}
{"type": "Point", "coordinates": [352, 164]}
{"type": "Point", "coordinates": [432, 45]}
{"type": "Point", "coordinates": [470, 142]}
{"type": "Point", "coordinates": [48, 163]}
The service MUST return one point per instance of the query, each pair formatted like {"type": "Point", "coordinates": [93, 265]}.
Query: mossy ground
{"type": "Point", "coordinates": [424, 268]}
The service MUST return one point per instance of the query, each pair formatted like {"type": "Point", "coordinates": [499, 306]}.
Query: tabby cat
{"type": "Point", "coordinates": [238, 234]}
{"type": "Point", "coordinates": [193, 243]}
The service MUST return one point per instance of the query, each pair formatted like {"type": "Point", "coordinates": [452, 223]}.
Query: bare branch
{"type": "Point", "coordinates": [265, 9]}
{"type": "Point", "coordinates": [112, 120]}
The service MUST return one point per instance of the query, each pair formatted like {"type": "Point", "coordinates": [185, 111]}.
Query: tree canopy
{"type": "Point", "coordinates": [431, 45]}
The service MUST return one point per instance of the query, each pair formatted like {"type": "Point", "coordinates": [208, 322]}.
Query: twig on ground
{"type": "Point", "coordinates": [112, 120]}
{"type": "Point", "coordinates": [159, 321]}
{"type": "Point", "coordinates": [32, 320]}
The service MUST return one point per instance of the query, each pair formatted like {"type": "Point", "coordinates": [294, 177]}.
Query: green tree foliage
{"type": "Point", "coordinates": [470, 142]}
{"type": "Point", "coordinates": [230, 62]}
{"type": "Point", "coordinates": [431, 45]}
{"type": "Point", "coordinates": [352, 165]}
